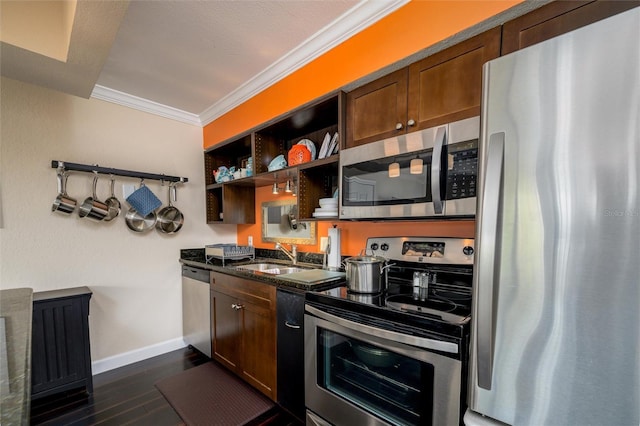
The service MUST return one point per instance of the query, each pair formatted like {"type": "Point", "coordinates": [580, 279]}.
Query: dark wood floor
{"type": "Point", "coordinates": [127, 396]}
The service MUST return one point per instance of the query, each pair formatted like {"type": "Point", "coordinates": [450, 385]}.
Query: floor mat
{"type": "Point", "coordinates": [210, 395]}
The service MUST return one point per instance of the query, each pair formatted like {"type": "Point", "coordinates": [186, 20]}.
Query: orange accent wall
{"type": "Point", "coordinates": [354, 234]}
{"type": "Point", "coordinates": [411, 28]}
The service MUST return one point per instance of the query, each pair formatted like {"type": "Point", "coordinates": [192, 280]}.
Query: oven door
{"type": "Point", "coordinates": [359, 374]}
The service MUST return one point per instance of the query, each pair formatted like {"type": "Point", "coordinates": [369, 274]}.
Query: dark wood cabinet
{"type": "Point", "coordinates": [438, 89]}
{"type": "Point", "coordinates": [234, 201]}
{"type": "Point", "coordinates": [236, 198]}
{"type": "Point", "coordinates": [243, 325]}
{"type": "Point", "coordinates": [60, 349]}
{"type": "Point", "coordinates": [291, 352]}
{"type": "Point", "coordinates": [377, 110]}
{"type": "Point", "coordinates": [226, 327]}
{"type": "Point", "coordinates": [447, 86]}
{"type": "Point", "coordinates": [556, 18]}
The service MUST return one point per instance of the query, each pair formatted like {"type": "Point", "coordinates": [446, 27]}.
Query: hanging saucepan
{"type": "Point", "coordinates": [138, 223]}
{"type": "Point", "coordinates": [63, 203]}
{"type": "Point", "coordinates": [366, 274]}
{"type": "Point", "coordinates": [170, 219]}
{"type": "Point", "coordinates": [135, 220]}
{"type": "Point", "coordinates": [113, 203]}
{"type": "Point", "coordinates": [92, 207]}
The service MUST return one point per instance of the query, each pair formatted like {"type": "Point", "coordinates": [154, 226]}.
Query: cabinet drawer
{"type": "Point", "coordinates": [254, 292]}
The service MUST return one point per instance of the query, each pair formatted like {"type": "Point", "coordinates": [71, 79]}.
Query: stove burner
{"type": "Point", "coordinates": [446, 310]}
{"type": "Point", "coordinates": [443, 306]}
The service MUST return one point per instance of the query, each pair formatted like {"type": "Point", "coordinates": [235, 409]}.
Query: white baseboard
{"type": "Point", "coordinates": [120, 360]}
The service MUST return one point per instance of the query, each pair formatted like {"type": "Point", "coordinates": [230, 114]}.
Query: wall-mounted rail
{"type": "Point", "coordinates": [117, 172]}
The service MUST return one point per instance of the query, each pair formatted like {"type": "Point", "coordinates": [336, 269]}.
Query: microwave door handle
{"type": "Point", "coordinates": [436, 161]}
{"type": "Point", "coordinates": [488, 265]}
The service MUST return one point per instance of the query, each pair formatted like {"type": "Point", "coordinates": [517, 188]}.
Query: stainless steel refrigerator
{"type": "Point", "coordinates": [556, 309]}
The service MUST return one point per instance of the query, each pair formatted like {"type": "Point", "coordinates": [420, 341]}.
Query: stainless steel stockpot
{"type": "Point", "coordinates": [366, 274]}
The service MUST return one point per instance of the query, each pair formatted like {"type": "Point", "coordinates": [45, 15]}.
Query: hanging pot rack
{"type": "Point", "coordinates": [118, 172]}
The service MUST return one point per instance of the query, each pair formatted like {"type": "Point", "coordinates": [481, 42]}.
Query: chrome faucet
{"type": "Point", "coordinates": [293, 254]}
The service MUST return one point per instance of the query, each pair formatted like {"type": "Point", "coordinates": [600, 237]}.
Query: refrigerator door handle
{"type": "Point", "coordinates": [489, 252]}
{"type": "Point", "coordinates": [436, 161]}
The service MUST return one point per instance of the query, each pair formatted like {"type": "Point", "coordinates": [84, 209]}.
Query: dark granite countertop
{"type": "Point", "coordinates": [197, 259]}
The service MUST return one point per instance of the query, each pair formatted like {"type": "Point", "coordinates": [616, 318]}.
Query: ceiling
{"type": "Point", "coordinates": [187, 60]}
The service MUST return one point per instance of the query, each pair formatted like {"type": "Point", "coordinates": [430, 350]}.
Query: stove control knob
{"type": "Point", "coordinates": [384, 247]}
{"type": "Point", "coordinates": [374, 246]}
{"type": "Point", "coordinates": [467, 250]}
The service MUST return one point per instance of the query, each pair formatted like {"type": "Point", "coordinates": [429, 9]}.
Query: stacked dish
{"type": "Point", "coordinates": [277, 163]}
{"type": "Point", "coordinates": [328, 208]}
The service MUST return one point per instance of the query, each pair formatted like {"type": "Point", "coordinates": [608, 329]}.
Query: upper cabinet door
{"type": "Point", "coordinates": [557, 18]}
{"type": "Point", "coordinates": [447, 86]}
{"type": "Point", "coordinates": [377, 110]}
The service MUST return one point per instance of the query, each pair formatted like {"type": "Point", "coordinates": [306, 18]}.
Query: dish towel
{"type": "Point", "coordinates": [143, 200]}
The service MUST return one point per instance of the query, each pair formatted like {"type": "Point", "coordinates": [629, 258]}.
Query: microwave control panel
{"type": "Point", "coordinates": [462, 170]}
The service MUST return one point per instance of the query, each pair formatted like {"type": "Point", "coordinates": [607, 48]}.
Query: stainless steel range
{"type": "Point", "coordinates": [400, 356]}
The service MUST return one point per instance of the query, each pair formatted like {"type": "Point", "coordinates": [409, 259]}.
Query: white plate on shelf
{"type": "Point", "coordinates": [325, 146]}
{"type": "Point", "coordinates": [332, 145]}
{"type": "Point", "coordinates": [310, 145]}
{"type": "Point", "coordinates": [329, 202]}
{"type": "Point", "coordinates": [324, 214]}
{"type": "Point", "coordinates": [326, 210]}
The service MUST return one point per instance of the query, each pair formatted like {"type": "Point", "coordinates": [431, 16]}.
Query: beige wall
{"type": "Point", "coordinates": [135, 278]}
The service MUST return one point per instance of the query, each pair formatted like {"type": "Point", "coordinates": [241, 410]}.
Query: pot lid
{"type": "Point", "coordinates": [366, 259]}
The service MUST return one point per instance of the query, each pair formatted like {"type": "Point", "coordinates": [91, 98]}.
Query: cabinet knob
{"type": "Point", "coordinates": [236, 306]}
{"type": "Point", "coordinates": [399, 126]}
{"type": "Point", "coordinates": [411, 123]}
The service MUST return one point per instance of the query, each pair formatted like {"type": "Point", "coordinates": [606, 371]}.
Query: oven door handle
{"type": "Point", "coordinates": [421, 342]}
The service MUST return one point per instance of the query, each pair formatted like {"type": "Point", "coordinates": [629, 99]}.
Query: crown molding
{"type": "Point", "coordinates": [358, 18]}
{"type": "Point", "coordinates": [145, 105]}
{"type": "Point", "coordinates": [355, 20]}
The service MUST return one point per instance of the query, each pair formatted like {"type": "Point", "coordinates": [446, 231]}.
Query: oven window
{"type": "Point", "coordinates": [379, 182]}
{"type": "Point", "coordinates": [389, 385]}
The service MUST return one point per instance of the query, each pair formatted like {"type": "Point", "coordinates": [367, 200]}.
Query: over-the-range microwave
{"type": "Point", "coordinates": [429, 173]}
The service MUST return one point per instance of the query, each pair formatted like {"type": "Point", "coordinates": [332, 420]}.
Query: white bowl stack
{"type": "Point", "coordinates": [328, 208]}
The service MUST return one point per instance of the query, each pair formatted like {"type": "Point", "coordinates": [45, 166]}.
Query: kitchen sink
{"type": "Point", "coordinates": [270, 268]}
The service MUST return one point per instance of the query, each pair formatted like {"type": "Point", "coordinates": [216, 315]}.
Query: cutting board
{"type": "Point", "coordinates": [312, 276]}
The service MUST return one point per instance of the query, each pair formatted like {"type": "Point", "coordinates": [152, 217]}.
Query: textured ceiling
{"type": "Point", "coordinates": [190, 60]}
{"type": "Point", "coordinates": [189, 55]}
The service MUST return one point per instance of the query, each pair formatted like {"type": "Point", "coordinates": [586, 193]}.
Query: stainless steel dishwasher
{"type": "Point", "coordinates": [196, 306]}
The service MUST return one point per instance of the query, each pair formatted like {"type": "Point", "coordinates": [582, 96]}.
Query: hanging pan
{"type": "Point", "coordinates": [139, 223]}
{"type": "Point", "coordinates": [135, 220]}
{"type": "Point", "coordinates": [92, 207]}
{"type": "Point", "coordinates": [113, 203]}
{"type": "Point", "coordinates": [63, 203]}
{"type": "Point", "coordinates": [170, 219]}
